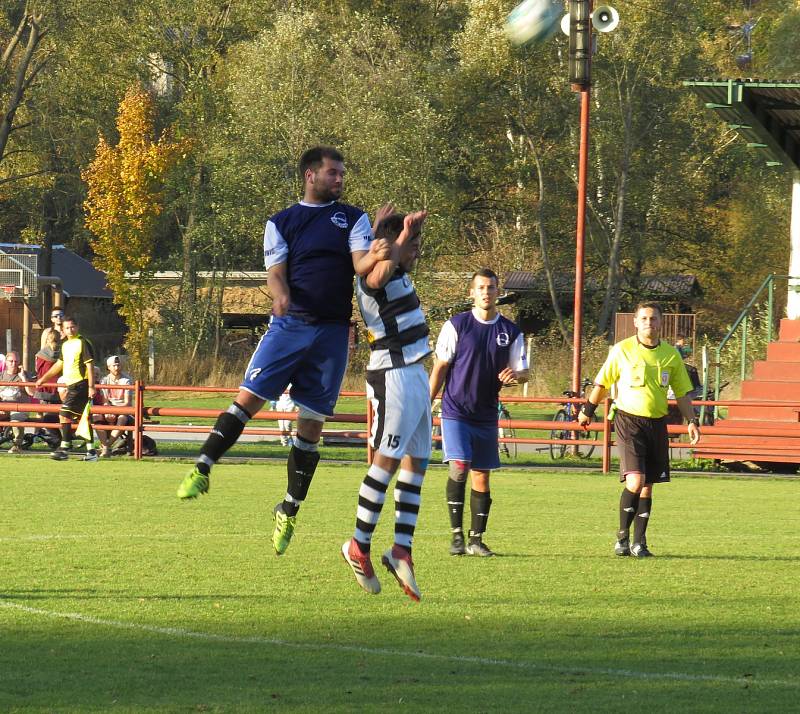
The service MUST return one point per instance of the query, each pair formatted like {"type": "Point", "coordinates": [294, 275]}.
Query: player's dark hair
{"type": "Point", "coordinates": [312, 158]}
{"type": "Point", "coordinates": [390, 227]}
{"type": "Point", "coordinates": [69, 318]}
{"type": "Point", "coordinates": [485, 273]}
{"type": "Point", "coordinates": [651, 305]}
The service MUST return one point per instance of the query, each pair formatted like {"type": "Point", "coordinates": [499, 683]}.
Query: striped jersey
{"type": "Point", "coordinates": [396, 327]}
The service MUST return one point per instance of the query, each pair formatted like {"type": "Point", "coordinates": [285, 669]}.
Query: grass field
{"type": "Point", "coordinates": [114, 596]}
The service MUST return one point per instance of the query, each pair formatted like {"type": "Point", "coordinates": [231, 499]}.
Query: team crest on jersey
{"type": "Point", "coordinates": [503, 340]}
{"type": "Point", "coordinates": [339, 219]}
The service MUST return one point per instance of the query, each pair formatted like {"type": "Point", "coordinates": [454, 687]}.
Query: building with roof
{"type": "Point", "coordinates": [677, 293]}
{"type": "Point", "coordinates": [74, 284]}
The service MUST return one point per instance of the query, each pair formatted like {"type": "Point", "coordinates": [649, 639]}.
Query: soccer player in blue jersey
{"type": "Point", "coordinates": [477, 353]}
{"type": "Point", "coordinates": [397, 386]}
{"type": "Point", "coordinates": [312, 251]}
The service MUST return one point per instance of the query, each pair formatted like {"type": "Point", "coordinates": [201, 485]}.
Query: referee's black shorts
{"type": "Point", "coordinates": [643, 446]}
{"type": "Point", "coordinates": [75, 401]}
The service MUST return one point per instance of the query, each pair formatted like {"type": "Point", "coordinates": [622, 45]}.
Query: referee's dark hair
{"type": "Point", "coordinates": [390, 227]}
{"type": "Point", "coordinates": [484, 273]}
{"type": "Point", "coordinates": [312, 158]}
{"type": "Point", "coordinates": [649, 304]}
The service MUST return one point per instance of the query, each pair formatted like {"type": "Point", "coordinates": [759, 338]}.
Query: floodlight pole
{"type": "Point", "coordinates": [580, 70]}
{"type": "Point", "coordinates": [580, 240]}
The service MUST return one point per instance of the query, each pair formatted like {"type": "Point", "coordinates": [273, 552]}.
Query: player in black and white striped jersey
{"type": "Point", "coordinates": [397, 386]}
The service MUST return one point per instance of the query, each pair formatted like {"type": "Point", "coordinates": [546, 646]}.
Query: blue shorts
{"type": "Point", "coordinates": [476, 443]}
{"type": "Point", "coordinates": [312, 357]}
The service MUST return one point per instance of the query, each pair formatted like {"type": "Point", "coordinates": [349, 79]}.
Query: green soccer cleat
{"type": "Point", "coordinates": [284, 530]}
{"type": "Point", "coordinates": [193, 485]}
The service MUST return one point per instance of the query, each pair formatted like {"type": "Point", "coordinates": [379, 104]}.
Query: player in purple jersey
{"type": "Point", "coordinates": [477, 353]}
{"type": "Point", "coordinates": [312, 251]}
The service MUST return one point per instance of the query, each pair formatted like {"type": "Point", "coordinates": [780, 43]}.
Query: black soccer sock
{"type": "Point", "coordinates": [642, 519]}
{"type": "Point", "coordinates": [479, 504]}
{"type": "Point", "coordinates": [456, 491]}
{"type": "Point", "coordinates": [300, 469]}
{"type": "Point", "coordinates": [66, 435]}
{"type": "Point", "coordinates": [223, 436]}
{"type": "Point", "coordinates": [628, 503]}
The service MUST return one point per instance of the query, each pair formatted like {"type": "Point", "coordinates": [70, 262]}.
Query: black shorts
{"type": "Point", "coordinates": [643, 446]}
{"type": "Point", "coordinates": [75, 401]}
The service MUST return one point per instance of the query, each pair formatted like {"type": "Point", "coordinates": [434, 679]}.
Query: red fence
{"type": "Point", "coordinates": [143, 416]}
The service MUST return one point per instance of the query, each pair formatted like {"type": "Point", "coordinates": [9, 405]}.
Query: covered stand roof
{"type": "Point", "coordinates": [766, 114]}
{"type": "Point", "coordinates": [670, 286]}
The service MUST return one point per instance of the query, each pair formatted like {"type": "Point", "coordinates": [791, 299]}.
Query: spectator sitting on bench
{"type": "Point", "coordinates": [117, 398]}
{"type": "Point", "coordinates": [14, 372]}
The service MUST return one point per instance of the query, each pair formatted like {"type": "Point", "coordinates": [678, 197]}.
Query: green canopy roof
{"type": "Point", "coordinates": [765, 113]}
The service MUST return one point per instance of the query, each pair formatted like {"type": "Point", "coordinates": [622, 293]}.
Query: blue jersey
{"type": "Point", "coordinates": [477, 352]}
{"type": "Point", "coordinates": [316, 243]}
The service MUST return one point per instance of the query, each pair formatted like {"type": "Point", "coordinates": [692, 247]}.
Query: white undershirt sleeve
{"type": "Point", "coordinates": [361, 235]}
{"type": "Point", "coordinates": [275, 248]}
{"type": "Point", "coordinates": [518, 360]}
{"type": "Point", "coordinates": [447, 343]}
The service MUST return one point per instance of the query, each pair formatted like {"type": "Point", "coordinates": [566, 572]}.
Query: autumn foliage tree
{"type": "Point", "coordinates": [122, 207]}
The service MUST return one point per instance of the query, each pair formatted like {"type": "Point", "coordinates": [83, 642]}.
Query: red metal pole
{"type": "Point", "coordinates": [606, 437]}
{"type": "Point", "coordinates": [138, 419]}
{"type": "Point", "coordinates": [583, 166]}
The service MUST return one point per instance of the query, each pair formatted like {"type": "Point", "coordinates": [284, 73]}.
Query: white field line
{"type": "Point", "coordinates": [178, 632]}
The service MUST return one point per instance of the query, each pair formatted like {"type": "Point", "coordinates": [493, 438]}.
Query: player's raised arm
{"type": "Point", "coordinates": [382, 270]}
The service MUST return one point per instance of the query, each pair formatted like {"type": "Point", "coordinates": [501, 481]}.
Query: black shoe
{"type": "Point", "coordinates": [623, 544]}
{"type": "Point", "coordinates": [59, 455]}
{"type": "Point", "coordinates": [639, 550]}
{"type": "Point", "coordinates": [457, 547]}
{"type": "Point", "coordinates": [479, 548]}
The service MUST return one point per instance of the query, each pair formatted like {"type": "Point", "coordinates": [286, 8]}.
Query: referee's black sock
{"type": "Point", "coordinates": [300, 467]}
{"type": "Point", "coordinates": [642, 519]}
{"type": "Point", "coordinates": [628, 504]}
{"type": "Point", "coordinates": [223, 436]}
{"type": "Point", "coordinates": [66, 435]}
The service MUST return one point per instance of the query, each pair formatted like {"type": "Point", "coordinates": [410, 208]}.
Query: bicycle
{"type": "Point", "coordinates": [506, 448]}
{"type": "Point", "coordinates": [568, 412]}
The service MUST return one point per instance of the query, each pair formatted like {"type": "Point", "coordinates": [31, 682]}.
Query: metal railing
{"type": "Point", "coordinates": [143, 414]}
{"type": "Point", "coordinates": [744, 321]}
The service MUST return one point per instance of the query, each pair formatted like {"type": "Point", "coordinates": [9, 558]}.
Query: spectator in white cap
{"type": "Point", "coordinates": [118, 398]}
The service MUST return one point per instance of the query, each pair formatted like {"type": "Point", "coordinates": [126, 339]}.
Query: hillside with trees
{"type": "Point", "coordinates": [432, 108]}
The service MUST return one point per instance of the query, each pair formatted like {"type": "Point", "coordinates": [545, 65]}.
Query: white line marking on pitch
{"type": "Point", "coordinates": [458, 659]}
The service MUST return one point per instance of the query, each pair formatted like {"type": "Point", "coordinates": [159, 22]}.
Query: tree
{"type": "Point", "coordinates": [124, 200]}
{"type": "Point", "coordinates": [21, 62]}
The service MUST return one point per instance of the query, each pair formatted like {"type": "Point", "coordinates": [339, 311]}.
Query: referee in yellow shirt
{"type": "Point", "coordinates": [643, 367]}
{"type": "Point", "coordinates": [76, 364]}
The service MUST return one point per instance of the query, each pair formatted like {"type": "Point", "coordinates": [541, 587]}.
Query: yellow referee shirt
{"type": "Point", "coordinates": [76, 354]}
{"type": "Point", "coordinates": [643, 375]}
